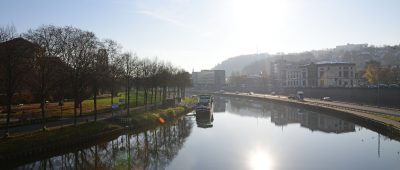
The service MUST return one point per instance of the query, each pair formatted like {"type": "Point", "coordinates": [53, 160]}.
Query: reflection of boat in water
{"type": "Point", "coordinates": [204, 119]}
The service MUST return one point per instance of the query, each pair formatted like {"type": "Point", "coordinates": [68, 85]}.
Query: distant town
{"type": "Point", "coordinates": [315, 69]}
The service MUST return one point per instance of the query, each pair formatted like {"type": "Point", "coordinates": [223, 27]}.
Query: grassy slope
{"type": "Point", "coordinates": [103, 104]}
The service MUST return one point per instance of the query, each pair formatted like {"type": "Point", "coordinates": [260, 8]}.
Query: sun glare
{"type": "Point", "coordinates": [260, 160]}
{"type": "Point", "coordinates": [259, 21]}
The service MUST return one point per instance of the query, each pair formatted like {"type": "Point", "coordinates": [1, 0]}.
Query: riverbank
{"type": "Point", "coordinates": [26, 114]}
{"type": "Point", "coordinates": [55, 140]}
{"type": "Point", "coordinates": [364, 115]}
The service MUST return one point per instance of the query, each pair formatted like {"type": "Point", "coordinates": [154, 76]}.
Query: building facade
{"type": "Point", "coordinates": [322, 74]}
{"type": "Point", "coordinates": [208, 78]}
{"type": "Point", "coordinates": [336, 74]}
{"type": "Point", "coordinates": [288, 74]}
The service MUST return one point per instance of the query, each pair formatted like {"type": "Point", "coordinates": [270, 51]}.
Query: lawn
{"type": "Point", "coordinates": [32, 111]}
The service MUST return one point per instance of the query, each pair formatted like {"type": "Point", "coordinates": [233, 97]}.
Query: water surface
{"type": "Point", "coordinates": [241, 134]}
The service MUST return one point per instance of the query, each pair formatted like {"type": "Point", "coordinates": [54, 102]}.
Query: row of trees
{"type": "Point", "coordinates": [68, 62]}
{"type": "Point", "coordinates": [375, 73]}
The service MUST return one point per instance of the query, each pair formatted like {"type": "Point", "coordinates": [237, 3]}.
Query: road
{"type": "Point", "coordinates": [367, 112]}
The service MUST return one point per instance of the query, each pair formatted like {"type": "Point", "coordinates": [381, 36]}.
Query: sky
{"type": "Point", "coordinates": [198, 34]}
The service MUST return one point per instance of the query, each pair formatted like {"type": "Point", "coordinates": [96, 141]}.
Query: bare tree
{"type": "Point", "coordinates": [7, 33]}
{"type": "Point", "coordinates": [79, 47]}
{"type": "Point", "coordinates": [113, 50]}
{"type": "Point", "coordinates": [46, 67]}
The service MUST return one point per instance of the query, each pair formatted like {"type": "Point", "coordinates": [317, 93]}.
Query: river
{"type": "Point", "coordinates": [240, 134]}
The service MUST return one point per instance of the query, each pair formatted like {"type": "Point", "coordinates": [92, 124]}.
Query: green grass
{"type": "Point", "coordinates": [190, 100]}
{"type": "Point", "coordinates": [395, 118]}
{"type": "Point", "coordinates": [51, 136]}
{"type": "Point", "coordinates": [103, 105]}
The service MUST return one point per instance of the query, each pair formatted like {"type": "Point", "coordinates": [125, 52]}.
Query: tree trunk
{"type": "Point", "coordinates": [164, 94]}
{"type": "Point", "coordinates": [75, 102]}
{"type": "Point", "coordinates": [151, 96]}
{"type": "Point", "coordinates": [80, 107]}
{"type": "Point", "coordinates": [42, 105]}
{"type": "Point", "coordinates": [137, 96]}
{"type": "Point", "coordinates": [112, 92]}
{"type": "Point", "coordinates": [10, 93]}
{"type": "Point", "coordinates": [9, 98]}
{"type": "Point", "coordinates": [75, 111]}
{"type": "Point", "coordinates": [128, 98]}
{"type": "Point", "coordinates": [155, 98]}
{"type": "Point", "coordinates": [160, 95]}
{"type": "Point", "coordinates": [145, 99]}
{"type": "Point", "coordinates": [95, 104]}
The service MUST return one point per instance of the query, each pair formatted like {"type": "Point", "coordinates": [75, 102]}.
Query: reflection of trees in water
{"type": "Point", "coordinates": [153, 149]}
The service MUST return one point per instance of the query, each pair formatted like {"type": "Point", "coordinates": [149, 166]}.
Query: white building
{"type": "Point", "coordinates": [208, 78]}
{"type": "Point", "coordinates": [296, 76]}
{"type": "Point", "coordinates": [288, 74]}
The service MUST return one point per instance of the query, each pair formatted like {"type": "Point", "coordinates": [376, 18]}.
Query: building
{"type": "Point", "coordinates": [336, 74]}
{"type": "Point", "coordinates": [288, 74]}
{"type": "Point", "coordinates": [351, 47]}
{"type": "Point", "coordinates": [312, 74]}
{"type": "Point", "coordinates": [208, 79]}
{"type": "Point", "coordinates": [321, 74]}
{"type": "Point", "coordinates": [296, 76]}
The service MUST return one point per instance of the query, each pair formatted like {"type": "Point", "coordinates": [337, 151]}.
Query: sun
{"type": "Point", "coordinates": [259, 21]}
{"type": "Point", "coordinates": [260, 160]}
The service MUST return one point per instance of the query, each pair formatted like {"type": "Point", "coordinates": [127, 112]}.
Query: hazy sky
{"type": "Point", "coordinates": [201, 33]}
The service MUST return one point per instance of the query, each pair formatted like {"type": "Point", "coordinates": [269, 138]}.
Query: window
{"type": "Point", "coordinates": [340, 82]}
{"type": "Point", "coordinates": [346, 74]}
{"type": "Point", "coordinates": [340, 74]}
{"type": "Point", "coordinates": [321, 73]}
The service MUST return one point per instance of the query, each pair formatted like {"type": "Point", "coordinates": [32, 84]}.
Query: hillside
{"type": "Point", "coordinates": [255, 64]}
{"type": "Point", "coordinates": [236, 64]}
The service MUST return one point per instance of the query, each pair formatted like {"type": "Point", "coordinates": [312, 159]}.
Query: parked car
{"type": "Point", "coordinates": [394, 86]}
{"type": "Point", "coordinates": [292, 96]}
{"type": "Point", "coordinates": [326, 99]}
{"type": "Point", "coordinates": [251, 93]}
{"type": "Point", "coordinates": [273, 93]}
{"type": "Point", "coordinates": [383, 86]}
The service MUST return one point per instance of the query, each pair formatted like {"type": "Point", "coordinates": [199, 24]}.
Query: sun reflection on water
{"type": "Point", "coordinates": [260, 160]}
